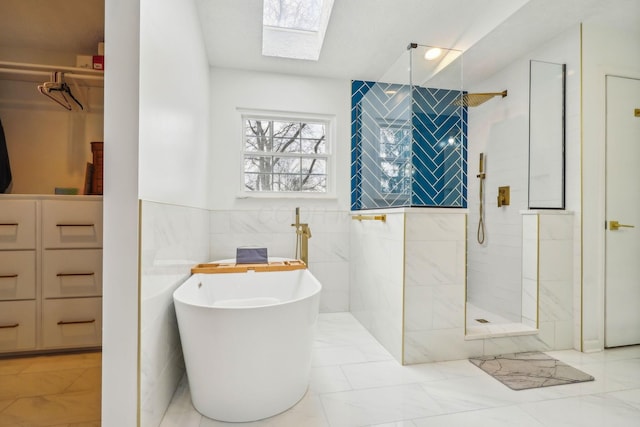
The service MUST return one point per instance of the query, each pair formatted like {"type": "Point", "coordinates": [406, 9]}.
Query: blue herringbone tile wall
{"type": "Point", "coordinates": [408, 147]}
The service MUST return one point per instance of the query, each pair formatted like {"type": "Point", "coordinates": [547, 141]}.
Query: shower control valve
{"type": "Point", "coordinates": [503, 196]}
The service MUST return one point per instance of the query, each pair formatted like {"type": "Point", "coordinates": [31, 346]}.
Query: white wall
{"type": "Point", "coordinates": [500, 129]}
{"type": "Point", "coordinates": [120, 247]}
{"type": "Point", "coordinates": [174, 104]}
{"type": "Point", "coordinates": [174, 170]}
{"type": "Point", "coordinates": [156, 110]}
{"type": "Point", "coordinates": [234, 89]}
{"type": "Point", "coordinates": [605, 50]}
{"type": "Point", "coordinates": [267, 221]}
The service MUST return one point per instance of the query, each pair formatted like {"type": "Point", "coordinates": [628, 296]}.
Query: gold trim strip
{"type": "Point", "coordinates": [139, 343]}
{"type": "Point", "coordinates": [581, 193]}
{"type": "Point", "coordinates": [382, 217]}
{"type": "Point", "coordinates": [538, 272]}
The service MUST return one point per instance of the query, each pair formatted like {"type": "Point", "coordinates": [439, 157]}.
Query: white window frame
{"type": "Point", "coordinates": [330, 138]}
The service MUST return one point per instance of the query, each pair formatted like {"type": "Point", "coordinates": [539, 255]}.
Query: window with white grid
{"type": "Point", "coordinates": [285, 155]}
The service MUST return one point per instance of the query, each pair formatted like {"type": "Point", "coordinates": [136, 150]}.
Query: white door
{"type": "Point", "coordinates": [622, 264]}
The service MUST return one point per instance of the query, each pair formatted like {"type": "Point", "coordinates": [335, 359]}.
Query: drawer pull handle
{"type": "Point", "coordinates": [75, 322]}
{"type": "Point", "coordinates": [8, 276]}
{"type": "Point", "coordinates": [9, 224]}
{"type": "Point", "coordinates": [15, 325]}
{"type": "Point", "coordinates": [74, 274]}
{"type": "Point", "coordinates": [75, 225]}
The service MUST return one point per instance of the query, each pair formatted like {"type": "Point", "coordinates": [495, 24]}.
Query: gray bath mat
{"type": "Point", "coordinates": [520, 371]}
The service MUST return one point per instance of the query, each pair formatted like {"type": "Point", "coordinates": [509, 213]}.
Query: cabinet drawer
{"type": "Point", "coordinates": [71, 224]}
{"type": "Point", "coordinates": [72, 322]}
{"type": "Point", "coordinates": [72, 273]}
{"type": "Point", "coordinates": [17, 275]}
{"type": "Point", "coordinates": [17, 325]}
{"type": "Point", "coordinates": [17, 224]}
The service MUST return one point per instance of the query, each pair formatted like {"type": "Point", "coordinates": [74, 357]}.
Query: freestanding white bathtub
{"type": "Point", "coordinates": [246, 339]}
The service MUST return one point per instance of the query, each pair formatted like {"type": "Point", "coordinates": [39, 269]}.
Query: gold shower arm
{"type": "Point", "coordinates": [382, 217]}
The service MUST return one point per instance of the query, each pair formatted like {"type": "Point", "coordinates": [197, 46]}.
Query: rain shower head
{"type": "Point", "coordinates": [475, 99]}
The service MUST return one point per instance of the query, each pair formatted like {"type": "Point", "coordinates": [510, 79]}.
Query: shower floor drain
{"type": "Point", "coordinates": [482, 321]}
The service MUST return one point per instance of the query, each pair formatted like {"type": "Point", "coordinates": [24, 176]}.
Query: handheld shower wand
{"type": "Point", "coordinates": [481, 175]}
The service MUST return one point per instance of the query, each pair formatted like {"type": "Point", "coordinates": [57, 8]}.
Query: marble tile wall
{"type": "Point", "coordinates": [377, 265]}
{"type": "Point", "coordinates": [493, 129]}
{"type": "Point", "coordinates": [270, 227]}
{"type": "Point", "coordinates": [434, 287]}
{"type": "Point", "coordinates": [173, 239]}
{"type": "Point", "coordinates": [555, 283]}
{"type": "Point", "coordinates": [408, 285]}
{"type": "Point", "coordinates": [556, 277]}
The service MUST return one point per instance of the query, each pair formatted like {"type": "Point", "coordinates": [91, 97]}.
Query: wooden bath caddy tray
{"type": "Point", "coordinates": [216, 268]}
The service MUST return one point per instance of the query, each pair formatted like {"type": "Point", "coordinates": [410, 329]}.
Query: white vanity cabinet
{"type": "Point", "coordinates": [50, 273]}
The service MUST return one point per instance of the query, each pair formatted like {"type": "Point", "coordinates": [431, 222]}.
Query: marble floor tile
{"type": "Point", "coordinates": [307, 412]}
{"type": "Point", "coordinates": [328, 379]}
{"type": "Point", "coordinates": [378, 405]}
{"type": "Point", "coordinates": [630, 397]}
{"type": "Point", "coordinates": [389, 373]}
{"type": "Point", "coordinates": [493, 417]}
{"type": "Point", "coordinates": [344, 354]}
{"type": "Point", "coordinates": [595, 410]}
{"type": "Point", "coordinates": [355, 382]}
{"type": "Point", "coordinates": [472, 393]}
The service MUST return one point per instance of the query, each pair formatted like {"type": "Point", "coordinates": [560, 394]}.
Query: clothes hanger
{"type": "Point", "coordinates": [44, 89]}
{"type": "Point", "coordinates": [57, 84]}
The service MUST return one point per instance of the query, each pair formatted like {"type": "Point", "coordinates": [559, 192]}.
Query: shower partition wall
{"type": "Point", "coordinates": [409, 144]}
{"type": "Point", "coordinates": [407, 262]}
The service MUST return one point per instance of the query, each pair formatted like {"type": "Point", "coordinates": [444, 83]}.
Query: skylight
{"type": "Point", "coordinates": [294, 28]}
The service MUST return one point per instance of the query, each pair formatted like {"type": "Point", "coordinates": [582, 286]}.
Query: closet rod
{"type": "Point", "coordinates": [48, 74]}
{"type": "Point", "coordinates": [49, 68]}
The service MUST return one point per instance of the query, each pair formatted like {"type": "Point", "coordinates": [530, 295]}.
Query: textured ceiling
{"type": "Point", "coordinates": [363, 39]}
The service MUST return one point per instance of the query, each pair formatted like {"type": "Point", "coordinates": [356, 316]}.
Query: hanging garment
{"type": "Point", "coordinates": [5, 167]}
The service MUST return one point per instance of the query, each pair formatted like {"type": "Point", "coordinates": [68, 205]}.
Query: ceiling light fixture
{"type": "Point", "coordinates": [432, 53]}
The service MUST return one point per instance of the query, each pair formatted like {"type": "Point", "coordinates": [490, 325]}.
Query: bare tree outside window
{"type": "Point", "coordinates": [285, 156]}
{"type": "Point", "coordinates": [395, 166]}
